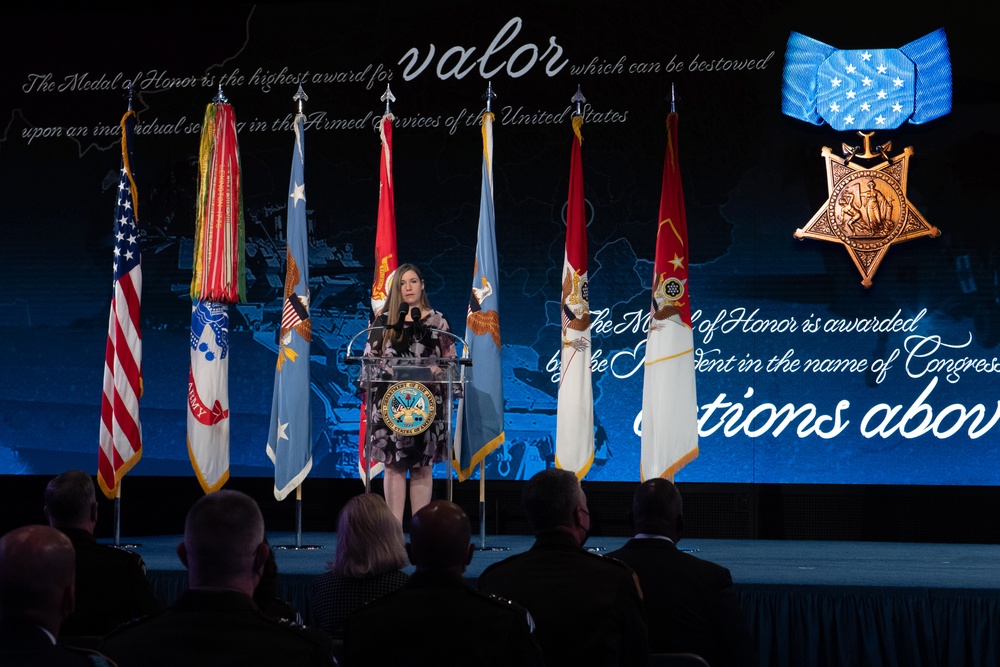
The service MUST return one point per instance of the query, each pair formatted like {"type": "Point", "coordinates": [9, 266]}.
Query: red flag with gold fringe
{"type": "Point", "coordinates": [575, 401]}
{"type": "Point", "coordinates": [386, 260]}
{"type": "Point", "coordinates": [669, 402]}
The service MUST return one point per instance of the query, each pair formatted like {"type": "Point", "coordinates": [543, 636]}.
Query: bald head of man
{"type": "Point", "coordinates": [657, 509]}
{"type": "Point", "coordinates": [37, 577]}
{"type": "Point", "coordinates": [440, 537]}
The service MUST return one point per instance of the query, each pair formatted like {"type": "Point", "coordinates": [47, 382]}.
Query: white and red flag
{"type": "Point", "coordinates": [575, 406]}
{"type": "Point", "coordinates": [218, 279]}
{"type": "Point", "coordinates": [669, 402]}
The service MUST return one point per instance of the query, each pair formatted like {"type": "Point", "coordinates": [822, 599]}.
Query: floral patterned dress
{"type": "Point", "coordinates": [418, 340]}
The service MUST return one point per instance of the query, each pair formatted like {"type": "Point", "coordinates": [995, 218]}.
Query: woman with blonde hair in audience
{"type": "Point", "coordinates": [371, 554]}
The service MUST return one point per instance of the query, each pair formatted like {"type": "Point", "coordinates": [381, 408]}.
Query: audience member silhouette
{"type": "Point", "coordinates": [588, 608]}
{"type": "Point", "coordinates": [266, 596]}
{"type": "Point", "coordinates": [111, 583]}
{"type": "Point", "coordinates": [36, 594]}
{"type": "Point", "coordinates": [215, 623]}
{"type": "Point", "coordinates": [690, 603]}
{"type": "Point", "coordinates": [368, 563]}
{"type": "Point", "coordinates": [471, 626]}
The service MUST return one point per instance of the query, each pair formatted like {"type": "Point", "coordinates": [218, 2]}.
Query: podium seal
{"type": "Point", "coordinates": [408, 408]}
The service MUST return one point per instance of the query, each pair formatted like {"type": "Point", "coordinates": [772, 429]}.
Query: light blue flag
{"type": "Point", "coordinates": [289, 442]}
{"type": "Point", "coordinates": [481, 411]}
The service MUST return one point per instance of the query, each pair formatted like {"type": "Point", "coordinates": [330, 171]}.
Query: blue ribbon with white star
{"type": "Point", "coordinates": [868, 89]}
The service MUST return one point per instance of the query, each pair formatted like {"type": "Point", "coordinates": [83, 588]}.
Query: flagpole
{"type": "Point", "coordinates": [298, 516]}
{"type": "Point", "coordinates": [482, 512]}
{"type": "Point", "coordinates": [118, 509]}
{"type": "Point", "coordinates": [299, 97]}
{"type": "Point", "coordinates": [117, 513]}
{"type": "Point", "coordinates": [489, 96]}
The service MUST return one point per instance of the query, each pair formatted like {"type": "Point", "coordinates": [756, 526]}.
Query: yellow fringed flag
{"type": "Point", "coordinates": [218, 279]}
{"type": "Point", "coordinates": [575, 400]}
{"type": "Point", "coordinates": [669, 400]}
{"type": "Point", "coordinates": [219, 270]}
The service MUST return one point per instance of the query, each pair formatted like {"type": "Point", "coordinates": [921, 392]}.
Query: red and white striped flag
{"type": "Point", "coordinates": [575, 406]}
{"type": "Point", "coordinates": [121, 432]}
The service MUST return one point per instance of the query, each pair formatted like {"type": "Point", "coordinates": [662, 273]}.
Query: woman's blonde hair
{"type": "Point", "coordinates": [369, 538]}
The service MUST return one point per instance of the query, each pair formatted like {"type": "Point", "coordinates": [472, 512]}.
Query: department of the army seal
{"type": "Point", "coordinates": [408, 408]}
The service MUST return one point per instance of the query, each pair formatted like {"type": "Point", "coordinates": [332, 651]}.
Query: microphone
{"type": "Point", "coordinates": [400, 318]}
{"type": "Point", "coordinates": [418, 328]}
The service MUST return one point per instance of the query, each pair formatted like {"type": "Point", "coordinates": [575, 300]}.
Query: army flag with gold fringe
{"type": "Point", "coordinates": [218, 279]}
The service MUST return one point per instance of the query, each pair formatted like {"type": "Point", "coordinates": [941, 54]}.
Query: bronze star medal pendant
{"type": "Point", "coordinates": [867, 210]}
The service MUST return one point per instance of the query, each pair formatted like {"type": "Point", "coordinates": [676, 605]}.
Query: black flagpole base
{"type": "Point", "coordinates": [303, 547]}
{"type": "Point", "coordinates": [298, 546]}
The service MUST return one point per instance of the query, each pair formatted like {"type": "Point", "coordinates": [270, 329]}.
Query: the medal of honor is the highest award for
{"type": "Point", "coordinates": [862, 92]}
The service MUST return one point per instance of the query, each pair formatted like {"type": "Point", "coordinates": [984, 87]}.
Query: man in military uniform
{"type": "Point", "coordinates": [453, 621]}
{"type": "Point", "coordinates": [588, 609]}
{"type": "Point", "coordinates": [690, 603]}
{"type": "Point", "coordinates": [111, 584]}
{"type": "Point", "coordinates": [215, 623]}
{"type": "Point", "coordinates": [36, 593]}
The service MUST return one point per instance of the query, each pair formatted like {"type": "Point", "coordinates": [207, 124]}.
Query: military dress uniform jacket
{"type": "Point", "coordinates": [27, 645]}
{"type": "Point", "coordinates": [587, 608]}
{"type": "Point", "coordinates": [111, 587]}
{"type": "Point", "coordinates": [437, 618]}
{"type": "Point", "coordinates": [217, 629]}
{"type": "Point", "coordinates": [690, 604]}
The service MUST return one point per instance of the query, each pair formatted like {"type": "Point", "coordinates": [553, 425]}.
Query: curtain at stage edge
{"type": "Point", "coordinates": [386, 261]}
{"type": "Point", "coordinates": [669, 402]}
{"type": "Point", "coordinates": [481, 411]}
{"type": "Point", "coordinates": [575, 406]}
{"type": "Point", "coordinates": [289, 442]}
{"type": "Point", "coordinates": [120, 440]}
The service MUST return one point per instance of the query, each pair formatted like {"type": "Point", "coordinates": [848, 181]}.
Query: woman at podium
{"type": "Point", "coordinates": [400, 436]}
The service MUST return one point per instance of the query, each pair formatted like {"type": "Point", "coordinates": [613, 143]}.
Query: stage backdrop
{"type": "Point", "coordinates": [894, 383]}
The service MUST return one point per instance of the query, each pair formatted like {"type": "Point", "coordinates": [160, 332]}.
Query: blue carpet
{"type": "Point", "coordinates": [964, 566]}
{"type": "Point", "coordinates": [819, 604]}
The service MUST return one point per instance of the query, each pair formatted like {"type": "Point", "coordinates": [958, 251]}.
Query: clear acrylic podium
{"type": "Point", "coordinates": [400, 395]}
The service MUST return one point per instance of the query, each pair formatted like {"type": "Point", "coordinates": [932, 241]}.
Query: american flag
{"type": "Point", "coordinates": [121, 433]}
{"type": "Point", "coordinates": [293, 312]}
